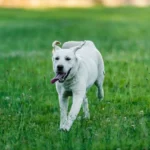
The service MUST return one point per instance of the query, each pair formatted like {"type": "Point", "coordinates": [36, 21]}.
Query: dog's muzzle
{"type": "Point", "coordinates": [60, 76]}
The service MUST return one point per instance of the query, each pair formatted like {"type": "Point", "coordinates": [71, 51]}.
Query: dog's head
{"type": "Point", "coordinates": [64, 61]}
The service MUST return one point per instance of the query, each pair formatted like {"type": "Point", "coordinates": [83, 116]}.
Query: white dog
{"type": "Point", "coordinates": [78, 65]}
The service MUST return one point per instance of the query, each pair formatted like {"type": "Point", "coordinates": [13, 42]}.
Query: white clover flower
{"type": "Point", "coordinates": [133, 126]}
{"type": "Point", "coordinates": [141, 112]}
{"type": "Point", "coordinates": [7, 98]}
{"type": "Point", "coordinates": [108, 120]}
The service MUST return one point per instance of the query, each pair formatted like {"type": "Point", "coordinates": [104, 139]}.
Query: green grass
{"type": "Point", "coordinates": [29, 109]}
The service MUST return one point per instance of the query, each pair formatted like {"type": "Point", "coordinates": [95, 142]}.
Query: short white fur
{"type": "Point", "coordinates": [87, 68]}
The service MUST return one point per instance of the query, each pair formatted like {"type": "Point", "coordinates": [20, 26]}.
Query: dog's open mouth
{"type": "Point", "coordinates": [61, 77]}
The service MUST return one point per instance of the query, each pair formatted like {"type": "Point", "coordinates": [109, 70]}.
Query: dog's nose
{"type": "Point", "coordinates": [60, 67]}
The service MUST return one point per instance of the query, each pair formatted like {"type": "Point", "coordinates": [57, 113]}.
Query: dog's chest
{"type": "Point", "coordinates": [67, 90]}
{"type": "Point", "coordinates": [68, 85]}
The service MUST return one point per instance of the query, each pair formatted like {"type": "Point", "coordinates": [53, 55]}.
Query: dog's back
{"type": "Point", "coordinates": [71, 44]}
{"type": "Point", "coordinates": [87, 51]}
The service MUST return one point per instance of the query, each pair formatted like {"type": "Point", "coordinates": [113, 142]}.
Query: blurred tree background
{"type": "Point", "coordinates": [70, 3]}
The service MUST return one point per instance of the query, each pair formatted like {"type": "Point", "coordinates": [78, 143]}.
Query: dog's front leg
{"type": "Point", "coordinates": [75, 108]}
{"type": "Point", "coordinates": [63, 102]}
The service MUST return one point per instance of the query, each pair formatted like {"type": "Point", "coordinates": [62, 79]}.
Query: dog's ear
{"type": "Point", "coordinates": [75, 49]}
{"type": "Point", "coordinates": [55, 45]}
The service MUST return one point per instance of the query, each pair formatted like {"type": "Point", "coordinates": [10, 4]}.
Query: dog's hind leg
{"type": "Point", "coordinates": [85, 108]}
{"type": "Point", "coordinates": [99, 84]}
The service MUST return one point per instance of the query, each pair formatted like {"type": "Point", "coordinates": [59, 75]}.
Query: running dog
{"type": "Point", "coordinates": [77, 65]}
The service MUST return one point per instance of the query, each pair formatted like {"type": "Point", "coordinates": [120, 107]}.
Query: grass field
{"type": "Point", "coordinates": [29, 109]}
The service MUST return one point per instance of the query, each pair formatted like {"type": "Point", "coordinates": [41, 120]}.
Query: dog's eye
{"type": "Point", "coordinates": [57, 58]}
{"type": "Point", "coordinates": [67, 58]}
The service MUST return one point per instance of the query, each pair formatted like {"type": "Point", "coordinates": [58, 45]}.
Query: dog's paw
{"type": "Point", "coordinates": [87, 116]}
{"type": "Point", "coordinates": [66, 129]}
{"type": "Point", "coordinates": [62, 130]}
{"type": "Point", "coordinates": [101, 98]}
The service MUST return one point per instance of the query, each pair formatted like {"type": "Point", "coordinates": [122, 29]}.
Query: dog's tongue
{"type": "Point", "coordinates": [58, 76]}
